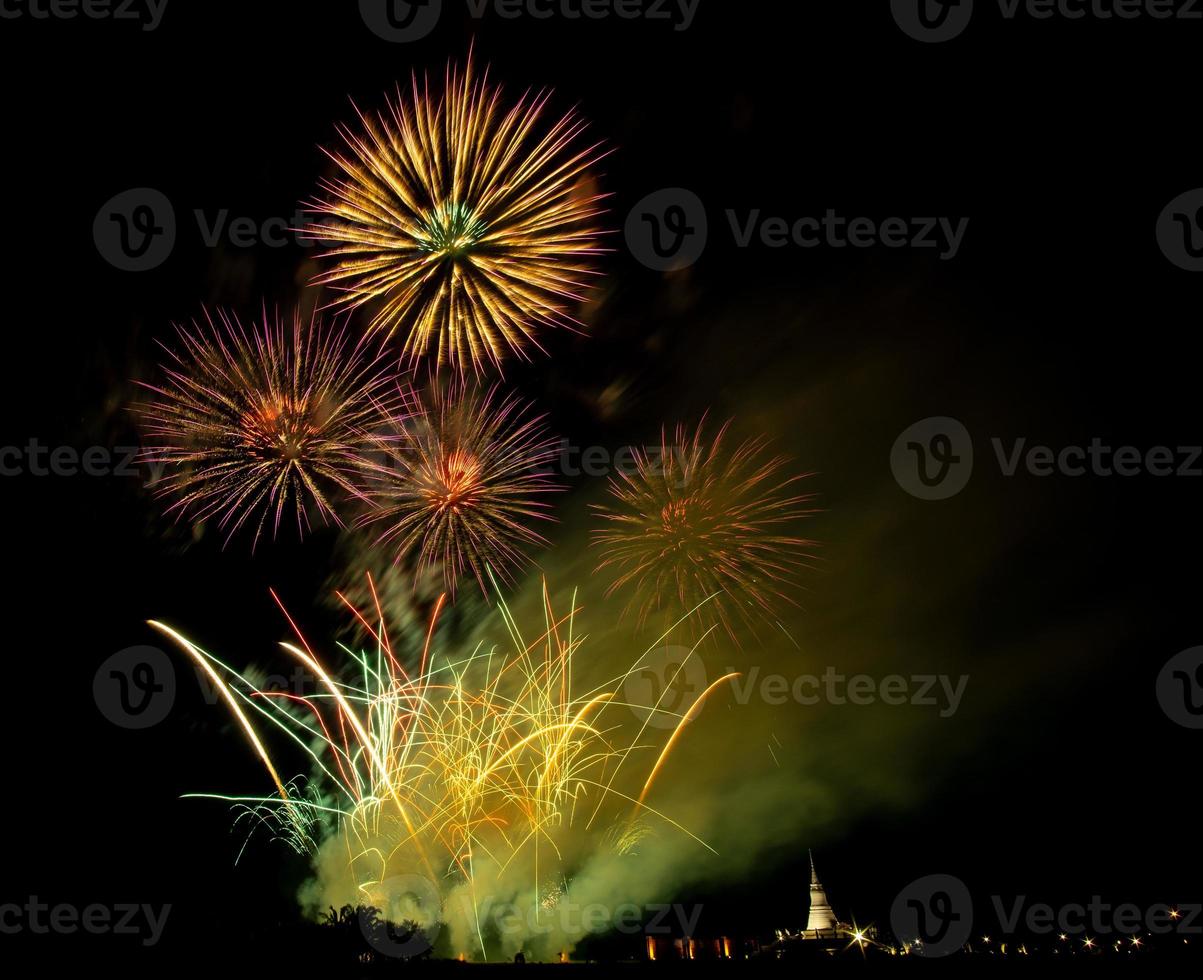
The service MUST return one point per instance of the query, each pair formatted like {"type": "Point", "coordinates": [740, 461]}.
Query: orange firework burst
{"type": "Point", "coordinates": [694, 521]}
{"type": "Point", "coordinates": [462, 484]}
{"type": "Point", "coordinates": [259, 422]}
{"type": "Point", "coordinates": [470, 223]}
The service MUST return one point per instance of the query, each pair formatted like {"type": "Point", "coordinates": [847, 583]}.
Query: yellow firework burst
{"type": "Point", "coordinates": [469, 224]}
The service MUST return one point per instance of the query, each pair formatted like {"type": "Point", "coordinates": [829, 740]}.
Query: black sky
{"type": "Point", "coordinates": [1060, 320]}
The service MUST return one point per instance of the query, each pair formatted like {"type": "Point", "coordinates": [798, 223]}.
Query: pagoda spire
{"type": "Point", "coordinates": [821, 917]}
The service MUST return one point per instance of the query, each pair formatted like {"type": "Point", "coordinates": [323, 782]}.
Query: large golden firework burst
{"type": "Point", "coordinates": [259, 422]}
{"type": "Point", "coordinates": [470, 225]}
{"type": "Point", "coordinates": [697, 523]}
{"type": "Point", "coordinates": [463, 484]}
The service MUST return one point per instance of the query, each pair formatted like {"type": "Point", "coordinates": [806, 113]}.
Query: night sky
{"type": "Point", "coordinates": [1059, 321]}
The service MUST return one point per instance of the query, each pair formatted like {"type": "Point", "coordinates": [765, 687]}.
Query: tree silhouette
{"type": "Point", "coordinates": [362, 934]}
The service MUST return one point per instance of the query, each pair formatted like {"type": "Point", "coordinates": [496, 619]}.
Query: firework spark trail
{"type": "Point", "coordinates": [482, 757]}
{"type": "Point", "coordinates": [694, 710]}
{"type": "Point", "coordinates": [462, 486]}
{"type": "Point", "coordinates": [251, 423]}
{"type": "Point", "coordinates": [471, 224]}
{"type": "Point", "coordinates": [696, 519]}
{"type": "Point", "coordinates": [201, 660]}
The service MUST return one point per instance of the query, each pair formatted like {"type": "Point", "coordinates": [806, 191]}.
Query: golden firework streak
{"type": "Point", "coordinates": [690, 715]}
{"type": "Point", "coordinates": [243, 720]}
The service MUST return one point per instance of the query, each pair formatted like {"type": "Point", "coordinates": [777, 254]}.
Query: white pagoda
{"type": "Point", "coordinates": [821, 923]}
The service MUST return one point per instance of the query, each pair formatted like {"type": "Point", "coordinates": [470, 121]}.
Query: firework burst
{"type": "Point", "coordinates": [254, 424]}
{"type": "Point", "coordinates": [470, 769]}
{"type": "Point", "coordinates": [696, 521]}
{"type": "Point", "coordinates": [469, 222]}
{"type": "Point", "coordinates": [463, 485]}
